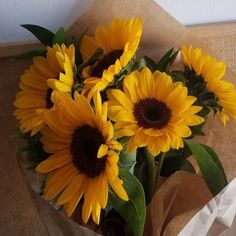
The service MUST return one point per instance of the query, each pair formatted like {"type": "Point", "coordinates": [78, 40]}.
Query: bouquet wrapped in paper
{"type": "Point", "coordinates": [111, 114]}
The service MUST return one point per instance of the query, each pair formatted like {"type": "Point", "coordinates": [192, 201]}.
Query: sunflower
{"type": "Point", "coordinates": [212, 71]}
{"type": "Point", "coordinates": [119, 43]}
{"type": "Point", "coordinates": [152, 111]}
{"type": "Point", "coordinates": [84, 158]}
{"type": "Point", "coordinates": [37, 83]}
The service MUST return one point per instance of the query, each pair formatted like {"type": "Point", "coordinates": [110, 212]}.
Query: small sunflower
{"type": "Point", "coordinates": [37, 83]}
{"type": "Point", "coordinates": [212, 71]}
{"type": "Point", "coordinates": [152, 111]}
{"type": "Point", "coordinates": [119, 43]}
{"type": "Point", "coordinates": [84, 158]}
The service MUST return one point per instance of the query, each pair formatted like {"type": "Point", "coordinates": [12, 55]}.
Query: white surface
{"type": "Point", "coordinates": [216, 217]}
{"type": "Point", "coordinates": [55, 13]}
{"type": "Point", "coordinates": [47, 13]}
{"type": "Point", "coordinates": [190, 12]}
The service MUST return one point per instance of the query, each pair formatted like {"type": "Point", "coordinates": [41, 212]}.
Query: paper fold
{"type": "Point", "coordinates": [183, 194]}
{"type": "Point", "coordinates": [216, 216]}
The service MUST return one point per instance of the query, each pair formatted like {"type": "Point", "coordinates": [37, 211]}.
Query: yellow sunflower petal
{"type": "Point", "coordinates": [212, 71]}
{"type": "Point", "coordinates": [115, 145]}
{"type": "Point", "coordinates": [36, 84]}
{"type": "Point", "coordinates": [103, 194]}
{"type": "Point", "coordinates": [59, 185]}
{"type": "Point", "coordinates": [76, 130]}
{"type": "Point", "coordinates": [55, 161]}
{"type": "Point", "coordinates": [102, 151]}
{"type": "Point", "coordinates": [71, 190]}
{"type": "Point", "coordinates": [131, 145]}
{"type": "Point", "coordinates": [116, 185]}
{"type": "Point", "coordinates": [119, 42]}
{"type": "Point", "coordinates": [73, 202]}
{"type": "Point", "coordinates": [88, 47]}
{"type": "Point", "coordinates": [160, 115]}
{"type": "Point", "coordinates": [87, 206]}
{"type": "Point", "coordinates": [96, 212]}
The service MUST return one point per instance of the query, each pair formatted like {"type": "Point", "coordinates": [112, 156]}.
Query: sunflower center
{"type": "Point", "coordinates": [105, 62]}
{"type": "Point", "coordinates": [86, 141]}
{"type": "Point", "coordinates": [49, 102]}
{"type": "Point", "coordinates": [151, 113]}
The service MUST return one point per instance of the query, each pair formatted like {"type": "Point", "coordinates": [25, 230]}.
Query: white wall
{"type": "Point", "coordinates": [190, 12]}
{"type": "Point", "coordinates": [55, 13]}
{"type": "Point", "coordinates": [48, 13]}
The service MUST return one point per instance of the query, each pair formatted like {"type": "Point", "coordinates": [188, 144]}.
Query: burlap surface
{"type": "Point", "coordinates": [18, 211]}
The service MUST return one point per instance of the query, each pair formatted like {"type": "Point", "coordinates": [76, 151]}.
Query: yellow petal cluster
{"type": "Point", "coordinates": [212, 72]}
{"type": "Point", "coordinates": [119, 42]}
{"type": "Point", "coordinates": [36, 84]}
{"type": "Point", "coordinates": [69, 173]}
{"type": "Point", "coordinates": [152, 111]}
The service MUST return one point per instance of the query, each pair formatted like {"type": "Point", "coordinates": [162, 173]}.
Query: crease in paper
{"type": "Point", "coordinates": [216, 217]}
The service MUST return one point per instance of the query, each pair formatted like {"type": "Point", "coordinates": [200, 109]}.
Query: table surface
{"type": "Point", "coordinates": [18, 215]}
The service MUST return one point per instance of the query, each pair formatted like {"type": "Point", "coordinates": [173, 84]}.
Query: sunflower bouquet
{"type": "Point", "coordinates": [103, 125]}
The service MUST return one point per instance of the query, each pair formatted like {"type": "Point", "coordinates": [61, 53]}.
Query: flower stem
{"type": "Point", "coordinates": [162, 157]}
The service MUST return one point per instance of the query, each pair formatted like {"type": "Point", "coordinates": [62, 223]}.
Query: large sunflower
{"type": "Point", "coordinates": [212, 71]}
{"type": "Point", "coordinates": [119, 43]}
{"type": "Point", "coordinates": [152, 111]}
{"type": "Point", "coordinates": [83, 160]}
{"type": "Point", "coordinates": [37, 83]}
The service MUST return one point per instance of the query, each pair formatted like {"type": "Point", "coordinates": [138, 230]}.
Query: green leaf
{"type": "Point", "coordinates": [140, 169]}
{"type": "Point", "coordinates": [134, 210]}
{"type": "Point", "coordinates": [127, 161]}
{"type": "Point", "coordinates": [210, 166]}
{"type": "Point", "coordinates": [197, 130]}
{"type": "Point", "coordinates": [175, 163]}
{"type": "Point", "coordinates": [33, 147]}
{"type": "Point", "coordinates": [145, 170]}
{"type": "Point", "coordinates": [164, 61]}
{"type": "Point", "coordinates": [204, 112]}
{"type": "Point", "coordinates": [210, 103]}
{"type": "Point", "coordinates": [184, 152]}
{"type": "Point", "coordinates": [173, 56]}
{"type": "Point", "coordinates": [31, 54]}
{"type": "Point", "coordinates": [138, 65]}
{"type": "Point", "coordinates": [60, 36]}
{"type": "Point", "coordinates": [178, 76]}
{"type": "Point", "coordinates": [150, 63]}
{"type": "Point", "coordinates": [71, 40]}
{"type": "Point", "coordinates": [45, 36]}
{"type": "Point", "coordinates": [214, 156]}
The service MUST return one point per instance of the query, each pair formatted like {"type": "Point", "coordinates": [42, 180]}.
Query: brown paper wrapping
{"type": "Point", "coordinates": [54, 221]}
{"type": "Point", "coordinates": [168, 212]}
{"type": "Point", "coordinates": [183, 194]}
{"type": "Point", "coordinates": [160, 33]}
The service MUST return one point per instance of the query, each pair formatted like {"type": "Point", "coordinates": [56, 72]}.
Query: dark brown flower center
{"type": "Point", "coordinates": [49, 102]}
{"type": "Point", "coordinates": [105, 62]}
{"type": "Point", "coordinates": [86, 141]}
{"type": "Point", "coordinates": [151, 113]}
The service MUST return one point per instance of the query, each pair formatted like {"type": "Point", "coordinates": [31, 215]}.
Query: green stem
{"type": "Point", "coordinates": [162, 157]}
{"type": "Point", "coordinates": [151, 176]}
{"type": "Point", "coordinates": [146, 171]}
